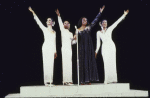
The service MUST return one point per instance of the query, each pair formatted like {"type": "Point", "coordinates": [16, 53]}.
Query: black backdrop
{"type": "Point", "coordinates": [22, 39]}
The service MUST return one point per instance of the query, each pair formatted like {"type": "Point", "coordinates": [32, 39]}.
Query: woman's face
{"type": "Point", "coordinates": [104, 23]}
{"type": "Point", "coordinates": [84, 21]}
{"type": "Point", "coordinates": [49, 22]}
{"type": "Point", "coordinates": [66, 25]}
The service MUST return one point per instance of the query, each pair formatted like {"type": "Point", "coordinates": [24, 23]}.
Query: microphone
{"type": "Point", "coordinates": [75, 27]}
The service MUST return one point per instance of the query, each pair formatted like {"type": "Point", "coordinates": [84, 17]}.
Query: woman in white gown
{"type": "Point", "coordinates": [108, 49]}
{"type": "Point", "coordinates": [48, 49]}
{"type": "Point", "coordinates": [67, 40]}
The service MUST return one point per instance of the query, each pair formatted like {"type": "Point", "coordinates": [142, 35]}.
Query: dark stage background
{"type": "Point", "coordinates": [22, 39]}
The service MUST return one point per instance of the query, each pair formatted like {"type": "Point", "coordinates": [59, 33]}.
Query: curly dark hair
{"type": "Point", "coordinates": [80, 22]}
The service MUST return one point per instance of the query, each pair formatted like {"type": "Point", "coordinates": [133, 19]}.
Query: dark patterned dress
{"type": "Point", "coordinates": [87, 62]}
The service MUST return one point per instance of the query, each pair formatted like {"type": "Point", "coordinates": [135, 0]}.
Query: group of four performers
{"type": "Point", "coordinates": [87, 63]}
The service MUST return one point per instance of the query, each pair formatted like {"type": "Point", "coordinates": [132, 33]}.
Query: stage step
{"type": "Point", "coordinates": [131, 93]}
{"type": "Point", "coordinates": [94, 90]}
{"type": "Point", "coordinates": [82, 89]}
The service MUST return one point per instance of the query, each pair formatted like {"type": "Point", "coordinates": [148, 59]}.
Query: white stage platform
{"type": "Point", "coordinates": [93, 90]}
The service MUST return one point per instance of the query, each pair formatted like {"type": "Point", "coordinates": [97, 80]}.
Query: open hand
{"type": "Point", "coordinates": [57, 12]}
{"type": "Point", "coordinates": [126, 12]}
{"type": "Point", "coordinates": [30, 9]}
{"type": "Point", "coordinates": [101, 9]}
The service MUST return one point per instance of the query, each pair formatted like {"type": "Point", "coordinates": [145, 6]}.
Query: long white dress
{"type": "Point", "coordinates": [48, 50]}
{"type": "Point", "coordinates": [66, 50]}
{"type": "Point", "coordinates": [108, 52]}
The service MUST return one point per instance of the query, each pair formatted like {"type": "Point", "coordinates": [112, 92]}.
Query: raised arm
{"type": "Point", "coordinates": [97, 17]}
{"type": "Point", "coordinates": [119, 20]}
{"type": "Point", "coordinates": [60, 21]}
{"type": "Point", "coordinates": [37, 19]}
{"type": "Point", "coordinates": [98, 43]}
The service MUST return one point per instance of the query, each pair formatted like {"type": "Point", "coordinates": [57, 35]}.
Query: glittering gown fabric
{"type": "Point", "coordinates": [87, 63]}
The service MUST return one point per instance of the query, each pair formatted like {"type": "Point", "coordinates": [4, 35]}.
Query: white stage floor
{"type": "Point", "coordinates": [93, 90]}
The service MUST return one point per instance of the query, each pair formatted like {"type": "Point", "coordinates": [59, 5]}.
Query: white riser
{"type": "Point", "coordinates": [94, 90]}
{"type": "Point", "coordinates": [131, 93]}
{"type": "Point", "coordinates": [82, 89]}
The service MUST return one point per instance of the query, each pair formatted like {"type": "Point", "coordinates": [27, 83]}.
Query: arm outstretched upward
{"type": "Point", "coordinates": [37, 19]}
{"type": "Point", "coordinates": [97, 17]}
{"type": "Point", "coordinates": [60, 21]}
{"type": "Point", "coordinates": [119, 20]}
